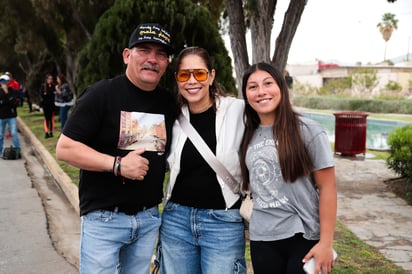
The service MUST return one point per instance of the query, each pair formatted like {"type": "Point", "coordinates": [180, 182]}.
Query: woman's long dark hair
{"type": "Point", "coordinates": [62, 78]}
{"type": "Point", "coordinates": [215, 90]}
{"type": "Point", "coordinates": [293, 156]}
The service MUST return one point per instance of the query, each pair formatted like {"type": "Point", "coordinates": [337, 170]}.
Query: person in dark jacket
{"type": "Point", "coordinates": [8, 112]}
{"type": "Point", "coordinates": [47, 91]}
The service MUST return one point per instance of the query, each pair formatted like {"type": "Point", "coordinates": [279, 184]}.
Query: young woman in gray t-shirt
{"type": "Point", "coordinates": [288, 165]}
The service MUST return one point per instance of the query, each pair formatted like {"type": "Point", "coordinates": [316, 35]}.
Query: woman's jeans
{"type": "Point", "coordinates": [196, 241]}
{"type": "Point", "coordinates": [64, 110]}
{"type": "Point", "coordinates": [113, 242]}
{"type": "Point", "coordinates": [12, 122]}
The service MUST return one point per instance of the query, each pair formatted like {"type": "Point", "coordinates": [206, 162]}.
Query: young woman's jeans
{"type": "Point", "coordinates": [12, 123]}
{"type": "Point", "coordinates": [64, 110]}
{"type": "Point", "coordinates": [112, 241]}
{"type": "Point", "coordinates": [201, 241]}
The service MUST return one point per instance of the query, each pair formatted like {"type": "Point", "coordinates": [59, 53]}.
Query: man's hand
{"type": "Point", "coordinates": [4, 87]}
{"type": "Point", "coordinates": [134, 166]}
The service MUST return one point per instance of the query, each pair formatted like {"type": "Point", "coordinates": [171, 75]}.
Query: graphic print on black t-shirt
{"type": "Point", "coordinates": [142, 130]}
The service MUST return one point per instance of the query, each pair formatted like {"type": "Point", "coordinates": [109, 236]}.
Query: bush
{"type": "Point", "coordinates": [335, 86]}
{"type": "Point", "coordinates": [400, 158]}
{"type": "Point", "coordinates": [403, 106]}
{"type": "Point", "coordinates": [393, 86]}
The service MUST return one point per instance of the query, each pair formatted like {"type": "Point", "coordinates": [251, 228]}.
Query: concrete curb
{"type": "Point", "coordinates": [63, 180]}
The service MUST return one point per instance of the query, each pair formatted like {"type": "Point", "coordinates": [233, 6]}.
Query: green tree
{"type": "Point", "coordinates": [73, 22]}
{"type": "Point", "coordinates": [45, 36]}
{"type": "Point", "coordinates": [364, 80]}
{"type": "Point", "coordinates": [26, 41]}
{"type": "Point", "coordinates": [190, 24]}
{"type": "Point", "coordinates": [386, 27]}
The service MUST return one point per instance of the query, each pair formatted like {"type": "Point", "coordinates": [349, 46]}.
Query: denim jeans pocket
{"type": "Point", "coordinates": [152, 212]}
{"type": "Point", "coordinates": [170, 206]}
{"type": "Point", "coordinates": [230, 215]}
{"type": "Point", "coordinates": [99, 215]}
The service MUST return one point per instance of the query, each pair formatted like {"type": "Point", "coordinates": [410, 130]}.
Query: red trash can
{"type": "Point", "coordinates": [350, 132]}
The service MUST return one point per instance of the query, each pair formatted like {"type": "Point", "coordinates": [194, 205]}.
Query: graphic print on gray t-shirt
{"type": "Point", "coordinates": [266, 176]}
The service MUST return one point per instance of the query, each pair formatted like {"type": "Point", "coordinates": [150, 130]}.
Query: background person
{"type": "Point", "coordinates": [13, 83]}
{"type": "Point", "coordinates": [63, 98]}
{"type": "Point", "coordinates": [8, 112]}
{"type": "Point", "coordinates": [16, 86]}
{"type": "Point", "coordinates": [47, 91]}
{"type": "Point", "coordinates": [288, 79]}
{"type": "Point", "coordinates": [288, 162]}
{"type": "Point", "coordinates": [111, 136]}
{"type": "Point", "coordinates": [202, 230]}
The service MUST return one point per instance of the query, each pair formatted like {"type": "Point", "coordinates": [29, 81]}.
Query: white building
{"type": "Point", "coordinates": [317, 73]}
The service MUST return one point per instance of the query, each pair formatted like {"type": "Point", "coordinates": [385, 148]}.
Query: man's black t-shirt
{"type": "Point", "coordinates": [114, 117]}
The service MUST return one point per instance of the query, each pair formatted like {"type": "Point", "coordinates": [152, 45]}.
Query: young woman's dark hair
{"type": "Point", "coordinates": [215, 89]}
{"type": "Point", "coordinates": [47, 76]}
{"type": "Point", "coordinates": [293, 156]}
{"type": "Point", "coordinates": [62, 78]}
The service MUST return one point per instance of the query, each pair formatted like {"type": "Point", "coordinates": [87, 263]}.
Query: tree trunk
{"type": "Point", "coordinates": [285, 38]}
{"type": "Point", "coordinates": [237, 31]}
{"type": "Point", "coordinates": [261, 24]}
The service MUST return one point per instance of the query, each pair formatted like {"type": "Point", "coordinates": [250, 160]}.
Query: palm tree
{"type": "Point", "coordinates": [386, 27]}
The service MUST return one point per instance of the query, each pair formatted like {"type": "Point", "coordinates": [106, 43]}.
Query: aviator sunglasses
{"type": "Point", "coordinates": [183, 75]}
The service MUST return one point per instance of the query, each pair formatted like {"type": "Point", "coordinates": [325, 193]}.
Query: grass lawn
{"type": "Point", "coordinates": [354, 255]}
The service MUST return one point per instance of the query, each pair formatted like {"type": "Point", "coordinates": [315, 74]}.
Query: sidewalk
{"type": "Point", "coordinates": [376, 215]}
{"type": "Point", "coordinates": [25, 245]}
{"type": "Point", "coordinates": [365, 206]}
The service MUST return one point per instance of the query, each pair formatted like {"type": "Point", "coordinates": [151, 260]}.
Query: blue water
{"type": "Point", "coordinates": [377, 131]}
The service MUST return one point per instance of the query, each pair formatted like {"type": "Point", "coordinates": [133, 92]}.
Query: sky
{"type": "Point", "coordinates": [346, 32]}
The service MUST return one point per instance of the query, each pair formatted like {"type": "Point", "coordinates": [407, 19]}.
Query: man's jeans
{"type": "Point", "coordinates": [113, 241]}
{"type": "Point", "coordinates": [196, 241]}
{"type": "Point", "coordinates": [12, 123]}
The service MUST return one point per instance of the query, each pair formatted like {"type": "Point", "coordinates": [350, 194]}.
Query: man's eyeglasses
{"type": "Point", "coordinates": [183, 75]}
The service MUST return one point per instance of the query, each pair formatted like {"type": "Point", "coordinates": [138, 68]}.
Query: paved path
{"type": "Point", "coordinates": [375, 214]}
{"type": "Point", "coordinates": [25, 245]}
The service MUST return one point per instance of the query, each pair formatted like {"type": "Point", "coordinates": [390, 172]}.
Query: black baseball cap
{"type": "Point", "coordinates": [151, 33]}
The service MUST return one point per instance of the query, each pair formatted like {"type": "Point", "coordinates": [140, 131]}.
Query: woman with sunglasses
{"type": "Point", "coordinates": [202, 230]}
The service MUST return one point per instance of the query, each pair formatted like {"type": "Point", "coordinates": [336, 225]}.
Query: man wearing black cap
{"type": "Point", "coordinates": [118, 135]}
